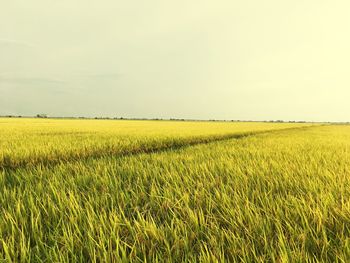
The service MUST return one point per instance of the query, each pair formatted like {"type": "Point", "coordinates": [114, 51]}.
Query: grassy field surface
{"type": "Point", "coordinates": [25, 142]}
{"type": "Point", "coordinates": [278, 196]}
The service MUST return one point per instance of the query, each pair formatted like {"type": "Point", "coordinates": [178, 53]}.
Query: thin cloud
{"type": "Point", "coordinates": [30, 80]}
{"type": "Point", "coordinates": [12, 42]}
{"type": "Point", "coordinates": [98, 76]}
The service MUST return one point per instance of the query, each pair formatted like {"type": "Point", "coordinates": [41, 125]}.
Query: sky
{"type": "Point", "coordinates": [198, 59]}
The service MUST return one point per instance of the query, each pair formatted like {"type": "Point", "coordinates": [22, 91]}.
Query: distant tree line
{"type": "Point", "coordinates": [44, 116]}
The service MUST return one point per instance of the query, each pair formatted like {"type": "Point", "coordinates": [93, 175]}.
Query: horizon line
{"type": "Point", "coordinates": [43, 116]}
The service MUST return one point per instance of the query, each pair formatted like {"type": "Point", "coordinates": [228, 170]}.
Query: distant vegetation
{"type": "Point", "coordinates": [157, 119]}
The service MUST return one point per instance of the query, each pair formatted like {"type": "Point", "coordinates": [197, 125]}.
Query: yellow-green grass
{"type": "Point", "coordinates": [275, 197]}
{"type": "Point", "coordinates": [25, 142]}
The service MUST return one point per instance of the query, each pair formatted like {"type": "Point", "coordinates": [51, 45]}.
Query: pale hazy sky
{"type": "Point", "coordinates": [225, 59]}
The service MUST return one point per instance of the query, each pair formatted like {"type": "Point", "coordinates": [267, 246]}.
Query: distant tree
{"type": "Point", "coordinates": [41, 115]}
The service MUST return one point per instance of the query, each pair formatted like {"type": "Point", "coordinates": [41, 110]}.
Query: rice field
{"type": "Point", "coordinates": [161, 191]}
{"type": "Point", "coordinates": [25, 142]}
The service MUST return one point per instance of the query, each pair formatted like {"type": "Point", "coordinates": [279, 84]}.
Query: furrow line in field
{"type": "Point", "coordinates": [166, 145]}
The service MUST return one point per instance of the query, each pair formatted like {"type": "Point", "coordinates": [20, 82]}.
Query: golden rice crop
{"type": "Point", "coordinates": [280, 196]}
{"type": "Point", "coordinates": [36, 141]}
